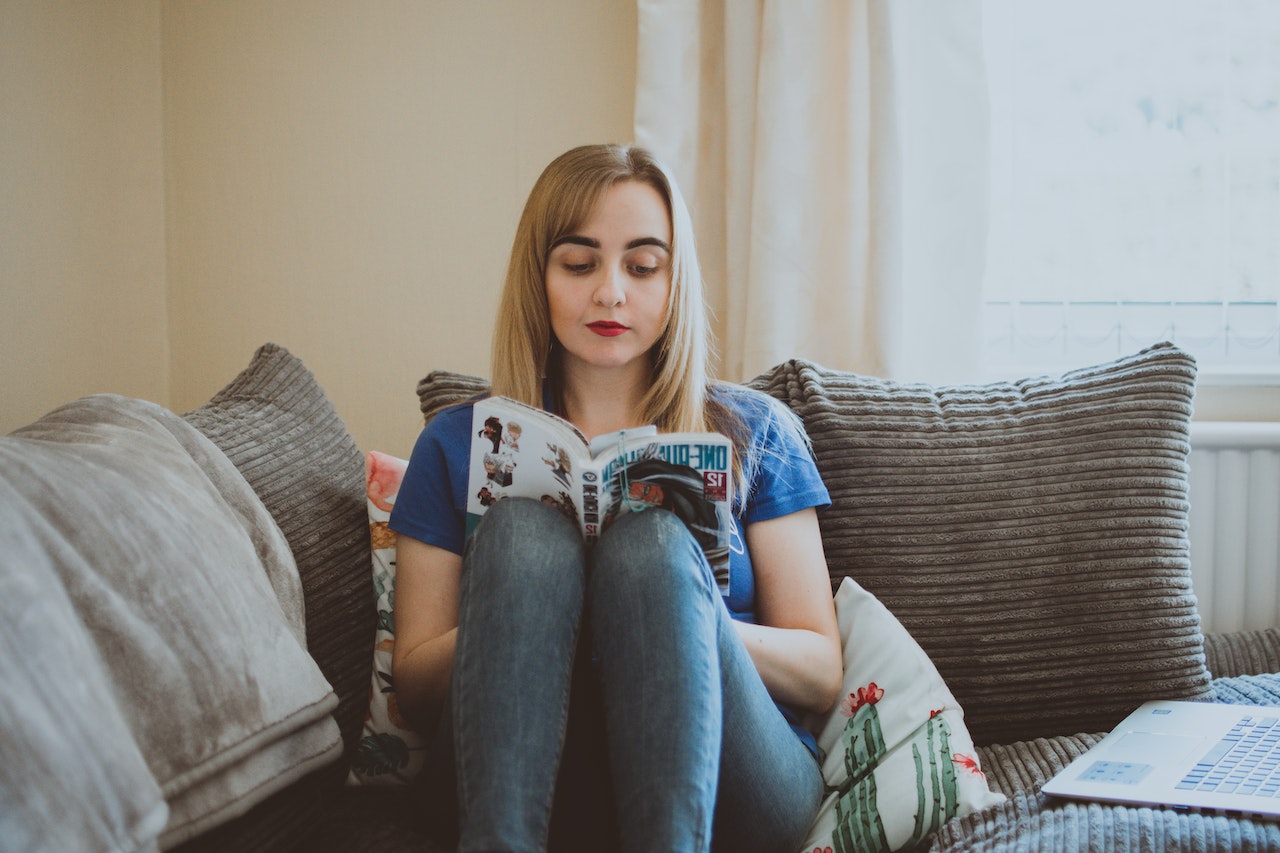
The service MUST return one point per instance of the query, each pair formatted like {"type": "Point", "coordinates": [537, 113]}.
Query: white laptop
{"type": "Point", "coordinates": [1200, 755]}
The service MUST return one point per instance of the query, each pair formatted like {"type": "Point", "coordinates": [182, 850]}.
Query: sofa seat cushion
{"type": "Point", "coordinates": [187, 596]}
{"type": "Point", "coordinates": [1031, 535]}
{"type": "Point", "coordinates": [1026, 821]}
{"type": "Point", "coordinates": [1030, 820]}
{"type": "Point", "coordinates": [386, 819]}
{"type": "Point", "coordinates": [1260, 689]}
{"type": "Point", "coordinates": [1025, 765]}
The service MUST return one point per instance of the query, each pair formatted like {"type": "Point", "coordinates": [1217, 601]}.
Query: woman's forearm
{"type": "Point", "coordinates": [426, 629]}
{"type": "Point", "coordinates": [422, 680]}
{"type": "Point", "coordinates": [799, 667]}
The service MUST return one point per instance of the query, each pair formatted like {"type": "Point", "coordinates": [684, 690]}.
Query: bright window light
{"type": "Point", "coordinates": [1135, 182]}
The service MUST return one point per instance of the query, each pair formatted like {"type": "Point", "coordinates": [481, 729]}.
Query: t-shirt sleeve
{"type": "Point", "coordinates": [786, 478]}
{"type": "Point", "coordinates": [431, 505]}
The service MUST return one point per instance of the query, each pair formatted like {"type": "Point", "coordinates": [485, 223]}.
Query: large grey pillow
{"type": "Point", "coordinates": [188, 596]}
{"type": "Point", "coordinates": [277, 426]}
{"type": "Point", "coordinates": [1031, 535]}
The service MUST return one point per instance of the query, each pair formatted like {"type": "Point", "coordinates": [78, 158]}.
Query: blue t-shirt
{"type": "Point", "coordinates": [782, 478]}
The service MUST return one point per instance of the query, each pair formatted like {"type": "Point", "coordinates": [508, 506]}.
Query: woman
{"type": "Point", "coordinates": [586, 695]}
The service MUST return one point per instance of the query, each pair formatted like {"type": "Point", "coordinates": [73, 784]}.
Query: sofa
{"type": "Point", "coordinates": [189, 606]}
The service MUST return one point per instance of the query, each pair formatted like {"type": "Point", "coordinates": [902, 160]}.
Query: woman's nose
{"type": "Point", "coordinates": [610, 292]}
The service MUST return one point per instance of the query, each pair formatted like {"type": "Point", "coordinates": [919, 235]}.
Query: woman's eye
{"type": "Point", "coordinates": [578, 268]}
{"type": "Point", "coordinates": [644, 265]}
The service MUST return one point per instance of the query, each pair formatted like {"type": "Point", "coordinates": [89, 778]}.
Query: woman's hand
{"type": "Point", "coordinates": [426, 628]}
{"type": "Point", "coordinates": [796, 643]}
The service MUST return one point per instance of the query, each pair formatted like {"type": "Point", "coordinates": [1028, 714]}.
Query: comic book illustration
{"type": "Point", "coordinates": [521, 451]}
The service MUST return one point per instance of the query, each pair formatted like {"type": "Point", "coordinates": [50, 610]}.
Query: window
{"type": "Point", "coordinates": [1134, 182]}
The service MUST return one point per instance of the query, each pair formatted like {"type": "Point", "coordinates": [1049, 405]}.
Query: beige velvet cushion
{"type": "Point", "coordinates": [1031, 535]}
{"type": "Point", "coordinates": [188, 599]}
{"type": "Point", "coordinates": [58, 713]}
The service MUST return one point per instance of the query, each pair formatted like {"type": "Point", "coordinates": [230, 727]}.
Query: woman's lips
{"type": "Point", "coordinates": [606, 329]}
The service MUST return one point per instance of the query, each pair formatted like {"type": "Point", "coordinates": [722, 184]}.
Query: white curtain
{"type": "Point", "coordinates": [781, 120]}
{"type": "Point", "coordinates": [777, 117]}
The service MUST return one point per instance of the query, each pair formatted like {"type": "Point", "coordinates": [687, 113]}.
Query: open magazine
{"type": "Point", "coordinates": [521, 451]}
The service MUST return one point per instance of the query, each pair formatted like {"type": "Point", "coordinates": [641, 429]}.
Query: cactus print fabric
{"type": "Point", "coordinates": [897, 759]}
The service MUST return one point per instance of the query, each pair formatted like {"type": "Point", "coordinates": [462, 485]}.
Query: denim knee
{"type": "Point", "coordinates": [517, 518]}
{"type": "Point", "coordinates": [651, 551]}
{"type": "Point", "coordinates": [525, 534]}
{"type": "Point", "coordinates": [525, 561]}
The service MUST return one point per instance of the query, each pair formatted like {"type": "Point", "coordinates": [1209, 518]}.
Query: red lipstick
{"type": "Point", "coordinates": [607, 328]}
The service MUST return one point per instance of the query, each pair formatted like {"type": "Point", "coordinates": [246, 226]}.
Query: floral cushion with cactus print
{"type": "Point", "coordinates": [390, 753]}
{"type": "Point", "coordinates": [898, 761]}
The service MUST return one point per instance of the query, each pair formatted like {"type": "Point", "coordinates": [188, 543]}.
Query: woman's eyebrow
{"type": "Point", "coordinates": [577, 241]}
{"type": "Point", "coordinates": [650, 241]}
{"type": "Point", "coordinates": [591, 243]}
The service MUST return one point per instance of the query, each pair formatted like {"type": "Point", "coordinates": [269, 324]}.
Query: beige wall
{"type": "Point", "coordinates": [340, 177]}
{"type": "Point", "coordinates": [82, 255]}
{"type": "Point", "coordinates": [344, 178]}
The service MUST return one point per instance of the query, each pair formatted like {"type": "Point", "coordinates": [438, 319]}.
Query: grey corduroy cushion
{"type": "Point", "coordinates": [440, 389]}
{"type": "Point", "coordinates": [277, 426]}
{"type": "Point", "coordinates": [1243, 652]}
{"type": "Point", "coordinates": [1031, 535]}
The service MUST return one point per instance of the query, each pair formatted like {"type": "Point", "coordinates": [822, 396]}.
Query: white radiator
{"type": "Point", "coordinates": [1235, 524]}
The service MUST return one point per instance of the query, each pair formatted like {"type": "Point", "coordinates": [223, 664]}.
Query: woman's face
{"type": "Point", "coordinates": [608, 283]}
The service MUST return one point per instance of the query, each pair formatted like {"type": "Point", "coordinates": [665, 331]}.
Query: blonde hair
{"type": "Point", "coordinates": [524, 346]}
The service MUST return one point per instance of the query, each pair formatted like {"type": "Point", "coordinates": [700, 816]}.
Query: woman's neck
{"type": "Point", "coordinates": [603, 402]}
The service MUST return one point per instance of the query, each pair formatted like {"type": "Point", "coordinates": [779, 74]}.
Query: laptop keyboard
{"type": "Point", "coordinates": [1245, 761]}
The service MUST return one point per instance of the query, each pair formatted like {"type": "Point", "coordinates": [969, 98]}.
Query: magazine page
{"type": "Point", "coordinates": [520, 451]}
